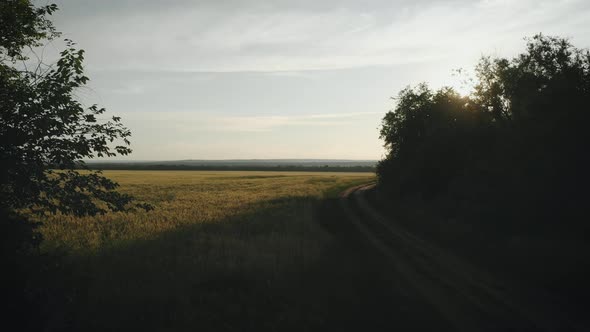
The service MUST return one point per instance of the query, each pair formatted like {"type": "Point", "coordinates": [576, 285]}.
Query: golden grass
{"type": "Point", "coordinates": [189, 198]}
{"type": "Point", "coordinates": [216, 244]}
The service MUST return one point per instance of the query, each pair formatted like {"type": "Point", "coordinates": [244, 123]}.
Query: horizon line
{"type": "Point", "coordinates": [231, 159]}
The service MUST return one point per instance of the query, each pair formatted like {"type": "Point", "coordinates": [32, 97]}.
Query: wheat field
{"type": "Point", "coordinates": [212, 238]}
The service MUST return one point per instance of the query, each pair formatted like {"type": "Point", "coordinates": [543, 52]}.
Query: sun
{"type": "Point", "coordinates": [462, 82]}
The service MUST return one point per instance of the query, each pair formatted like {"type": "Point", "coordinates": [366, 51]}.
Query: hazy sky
{"type": "Point", "coordinates": [224, 79]}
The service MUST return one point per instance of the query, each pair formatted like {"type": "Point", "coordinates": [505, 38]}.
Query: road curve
{"type": "Point", "coordinates": [467, 298]}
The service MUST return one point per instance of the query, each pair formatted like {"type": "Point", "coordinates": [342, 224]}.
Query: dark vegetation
{"type": "Point", "coordinates": [292, 165]}
{"type": "Point", "coordinates": [245, 162]}
{"type": "Point", "coordinates": [149, 288]}
{"type": "Point", "coordinates": [501, 175]}
{"type": "Point", "coordinates": [42, 123]}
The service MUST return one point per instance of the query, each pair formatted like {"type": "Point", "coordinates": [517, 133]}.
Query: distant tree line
{"type": "Point", "coordinates": [289, 168]}
{"type": "Point", "coordinates": [512, 154]}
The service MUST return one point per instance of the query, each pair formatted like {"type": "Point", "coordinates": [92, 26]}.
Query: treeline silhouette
{"type": "Point", "coordinates": [278, 168]}
{"type": "Point", "coordinates": [503, 165]}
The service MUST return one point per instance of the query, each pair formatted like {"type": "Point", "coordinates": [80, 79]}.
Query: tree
{"type": "Point", "coordinates": [430, 137]}
{"type": "Point", "coordinates": [44, 131]}
{"type": "Point", "coordinates": [519, 140]}
{"type": "Point", "coordinates": [501, 175]}
{"type": "Point", "coordinates": [44, 135]}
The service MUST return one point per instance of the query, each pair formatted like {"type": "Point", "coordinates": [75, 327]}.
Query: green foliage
{"type": "Point", "coordinates": [23, 25]}
{"type": "Point", "coordinates": [430, 137]}
{"type": "Point", "coordinates": [500, 176]}
{"type": "Point", "coordinates": [513, 151]}
{"type": "Point", "coordinates": [45, 132]}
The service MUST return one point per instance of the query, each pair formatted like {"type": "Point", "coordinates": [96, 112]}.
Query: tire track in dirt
{"type": "Point", "coordinates": [467, 298]}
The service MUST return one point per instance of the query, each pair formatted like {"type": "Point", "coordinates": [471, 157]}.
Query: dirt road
{"type": "Point", "coordinates": [465, 297]}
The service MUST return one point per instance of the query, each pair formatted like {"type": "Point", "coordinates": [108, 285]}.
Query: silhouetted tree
{"type": "Point", "coordinates": [430, 137]}
{"type": "Point", "coordinates": [42, 124]}
{"type": "Point", "coordinates": [44, 134]}
{"type": "Point", "coordinates": [516, 147]}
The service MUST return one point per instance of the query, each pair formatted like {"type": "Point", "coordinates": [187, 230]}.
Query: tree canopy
{"type": "Point", "coordinates": [45, 132]}
{"type": "Point", "coordinates": [515, 148]}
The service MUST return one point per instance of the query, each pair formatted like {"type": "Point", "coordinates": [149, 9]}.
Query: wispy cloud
{"type": "Point", "coordinates": [197, 122]}
{"type": "Point", "coordinates": [284, 78]}
{"type": "Point", "coordinates": [202, 36]}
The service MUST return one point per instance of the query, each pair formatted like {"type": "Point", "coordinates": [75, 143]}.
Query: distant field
{"type": "Point", "coordinates": [297, 165]}
{"type": "Point", "coordinates": [195, 198]}
{"type": "Point", "coordinates": [213, 237]}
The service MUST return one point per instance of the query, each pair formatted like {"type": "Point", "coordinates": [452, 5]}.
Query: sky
{"type": "Point", "coordinates": [257, 79]}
